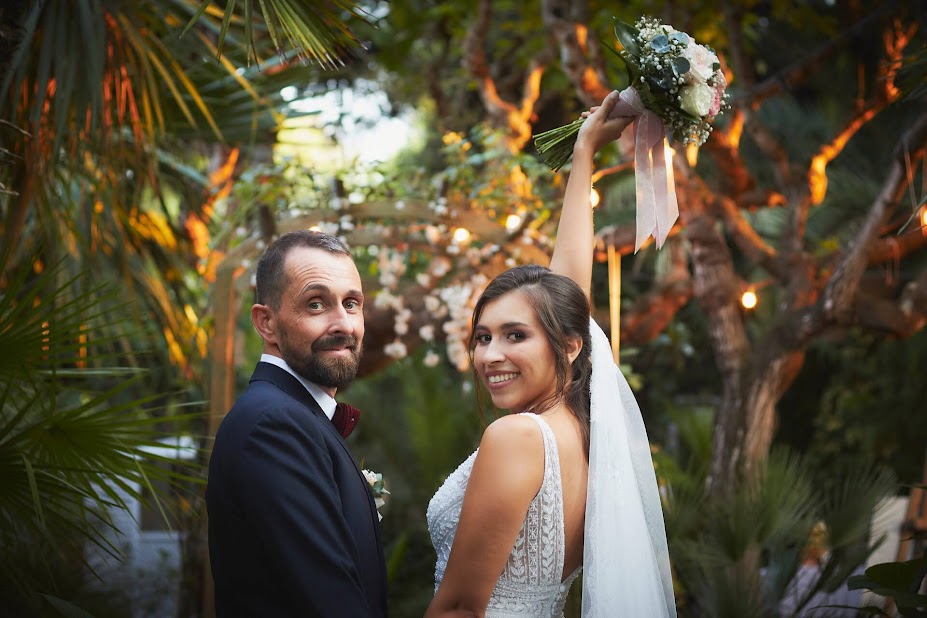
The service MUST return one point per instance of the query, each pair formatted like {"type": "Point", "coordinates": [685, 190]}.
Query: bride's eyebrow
{"type": "Point", "coordinates": [505, 326]}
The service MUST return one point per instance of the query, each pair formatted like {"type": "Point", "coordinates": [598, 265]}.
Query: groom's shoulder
{"type": "Point", "coordinates": [264, 404]}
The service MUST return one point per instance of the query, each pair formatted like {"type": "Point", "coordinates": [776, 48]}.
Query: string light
{"type": "Point", "coordinates": [315, 228]}
{"type": "Point", "coordinates": [512, 222]}
{"type": "Point", "coordinates": [594, 197]}
{"type": "Point", "coordinates": [749, 299]}
{"type": "Point", "coordinates": [461, 235]}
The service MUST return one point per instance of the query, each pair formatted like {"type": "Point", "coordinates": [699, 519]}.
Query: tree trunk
{"type": "Point", "coordinates": [716, 287]}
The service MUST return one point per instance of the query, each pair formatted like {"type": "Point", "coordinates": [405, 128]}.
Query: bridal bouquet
{"type": "Point", "coordinates": [676, 86]}
{"type": "Point", "coordinates": [672, 75]}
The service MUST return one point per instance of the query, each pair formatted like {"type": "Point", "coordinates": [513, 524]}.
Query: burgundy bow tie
{"type": "Point", "coordinates": [345, 419]}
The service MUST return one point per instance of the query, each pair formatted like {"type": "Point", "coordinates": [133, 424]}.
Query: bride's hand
{"type": "Point", "coordinates": [598, 129]}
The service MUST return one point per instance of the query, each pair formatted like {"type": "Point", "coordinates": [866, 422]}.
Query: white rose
{"type": "Point", "coordinates": [697, 98]}
{"type": "Point", "coordinates": [701, 61]}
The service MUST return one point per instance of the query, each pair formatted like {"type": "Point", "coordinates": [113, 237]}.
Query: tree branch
{"type": "Point", "coordinates": [902, 317]}
{"type": "Point", "coordinates": [652, 312]}
{"type": "Point", "coordinates": [724, 146]}
{"type": "Point", "coordinates": [743, 67]}
{"type": "Point", "coordinates": [746, 238]}
{"type": "Point", "coordinates": [838, 298]}
{"type": "Point", "coordinates": [799, 71]}
{"type": "Point", "coordinates": [895, 40]}
{"type": "Point", "coordinates": [561, 18]}
{"type": "Point", "coordinates": [514, 118]}
{"type": "Point", "coordinates": [897, 247]}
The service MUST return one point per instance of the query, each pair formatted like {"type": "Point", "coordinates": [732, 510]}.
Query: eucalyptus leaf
{"type": "Point", "coordinates": [680, 66]}
{"type": "Point", "coordinates": [660, 44]}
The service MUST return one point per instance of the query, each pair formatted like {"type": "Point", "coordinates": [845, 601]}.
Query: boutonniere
{"type": "Point", "coordinates": [377, 488]}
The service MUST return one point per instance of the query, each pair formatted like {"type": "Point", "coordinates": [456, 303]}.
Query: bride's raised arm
{"type": "Point", "coordinates": [573, 249]}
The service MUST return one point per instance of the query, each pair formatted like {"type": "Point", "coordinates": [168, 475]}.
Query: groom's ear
{"type": "Point", "coordinates": [573, 347]}
{"type": "Point", "coordinates": [265, 323]}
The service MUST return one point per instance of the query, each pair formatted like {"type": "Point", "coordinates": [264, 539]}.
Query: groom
{"type": "Point", "coordinates": [293, 530]}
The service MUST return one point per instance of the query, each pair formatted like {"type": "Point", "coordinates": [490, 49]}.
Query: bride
{"type": "Point", "coordinates": [566, 482]}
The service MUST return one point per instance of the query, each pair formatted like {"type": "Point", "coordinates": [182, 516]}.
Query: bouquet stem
{"type": "Point", "coordinates": [556, 146]}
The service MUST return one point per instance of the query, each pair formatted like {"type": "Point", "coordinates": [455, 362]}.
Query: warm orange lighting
{"type": "Point", "coordinates": [461, 235]}
{"type": "Point", "coordinates": [924, 216]}
{"type": "Point", "coordinates": [594, 198]}
{"type": "Point", "coordinates": [315, 228]}
{"type": "Point", "coordinates": [692, 155]}
{"type": "Point", "coordinates": [749, 299]}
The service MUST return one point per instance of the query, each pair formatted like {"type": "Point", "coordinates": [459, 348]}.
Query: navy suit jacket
{"type": "Point", "coordinates": [293, 529]}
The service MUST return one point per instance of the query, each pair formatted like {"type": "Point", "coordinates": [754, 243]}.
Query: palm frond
{"type": "Point", "coordinates": [317, 31]}
{"type": "Point", "coordinates": [75, 435]}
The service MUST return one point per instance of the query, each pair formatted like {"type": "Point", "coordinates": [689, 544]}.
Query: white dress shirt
{"type": "Point", "coordinates": [325, 401]}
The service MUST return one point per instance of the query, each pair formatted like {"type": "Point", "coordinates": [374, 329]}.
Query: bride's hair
{"type": "Point", "coordinates": [563, 311]}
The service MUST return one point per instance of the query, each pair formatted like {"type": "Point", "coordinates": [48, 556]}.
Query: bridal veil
{"type": "Point", "coordinates": [626, 568]}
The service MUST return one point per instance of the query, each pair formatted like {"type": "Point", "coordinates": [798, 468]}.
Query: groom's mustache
{"type": "Point", "coordinates": [334, 342]}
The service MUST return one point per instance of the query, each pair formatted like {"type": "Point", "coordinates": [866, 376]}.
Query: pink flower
{"type": "Point", "coordinates": [720, 83]}
{"type": "Point", "coordinates": [701, 62]}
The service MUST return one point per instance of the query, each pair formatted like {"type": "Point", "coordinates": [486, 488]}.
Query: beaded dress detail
{"type": "Point", "coordinates": [530, 583]}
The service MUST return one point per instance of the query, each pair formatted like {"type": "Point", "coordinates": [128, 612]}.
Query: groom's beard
{"type": "Point", "coordinates": [325, 371]}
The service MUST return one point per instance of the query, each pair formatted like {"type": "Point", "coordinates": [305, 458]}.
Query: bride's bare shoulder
{"type": "Point", "coordinates": [510, 435]}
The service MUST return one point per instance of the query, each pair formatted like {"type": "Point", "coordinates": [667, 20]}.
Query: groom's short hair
{"type": "Point", "coordinates": [271, 278]}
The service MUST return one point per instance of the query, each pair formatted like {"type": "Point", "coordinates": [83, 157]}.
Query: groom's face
{"type": "Point", "coordinates": [319, 326]}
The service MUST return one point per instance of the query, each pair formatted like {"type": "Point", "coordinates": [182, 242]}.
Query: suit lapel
{"type": "Point", "coordinates": [286, 382]}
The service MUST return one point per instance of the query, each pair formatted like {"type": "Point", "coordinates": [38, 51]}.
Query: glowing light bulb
{"type": "Point", "coordinates": [512, 222]}
{"type": "Point", "coordinates": [924, 216]}
{"type": "Point", "coordinates": [315, 228]}
{"type": "Point", "coordinates": [594, 197]}
{"type": "Point", "coordinates": [749, 299]}
{"type": "Point", "coordinates": [461, 235]}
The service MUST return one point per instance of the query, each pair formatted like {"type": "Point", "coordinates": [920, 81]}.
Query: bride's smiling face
{"type": "Point", "coordinates": [512, 354]}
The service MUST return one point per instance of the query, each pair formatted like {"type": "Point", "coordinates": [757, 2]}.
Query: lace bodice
{"type": "Point", "coordinates": [530, 582]}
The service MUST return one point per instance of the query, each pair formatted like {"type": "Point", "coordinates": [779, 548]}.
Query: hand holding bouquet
{"type": "Point", "coordinates": [676, 86]}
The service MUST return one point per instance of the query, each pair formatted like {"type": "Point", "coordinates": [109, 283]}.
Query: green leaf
{"type": "Point", "coordinates": [870, 610]}
{"type": "Point", "coordinates": [680, 66]}
{"type": "Point", "coordinates": [627, 36]}
{"type": "Point", "coordinates": [900, 575]}
{"type": "Point", "coordinates": [66, 609]}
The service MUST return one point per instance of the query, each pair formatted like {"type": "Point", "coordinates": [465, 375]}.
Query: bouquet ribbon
{"type": "Point", "coordinates": [657, 209]}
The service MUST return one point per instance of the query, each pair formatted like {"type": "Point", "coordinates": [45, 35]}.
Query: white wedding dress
{"type": "Point", "coordinates": [530, 583]}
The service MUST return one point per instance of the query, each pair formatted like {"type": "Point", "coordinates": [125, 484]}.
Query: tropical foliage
{"type": "Point", "coordinates": [76, 439]}
{"type": "Point", "coordinates": [112, 124]}
{"type": "Point", "coordinates": [776, 541]}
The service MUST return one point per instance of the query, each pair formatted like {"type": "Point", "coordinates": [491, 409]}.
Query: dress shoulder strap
{"type": "Point", "coordinates": [551, 453]}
